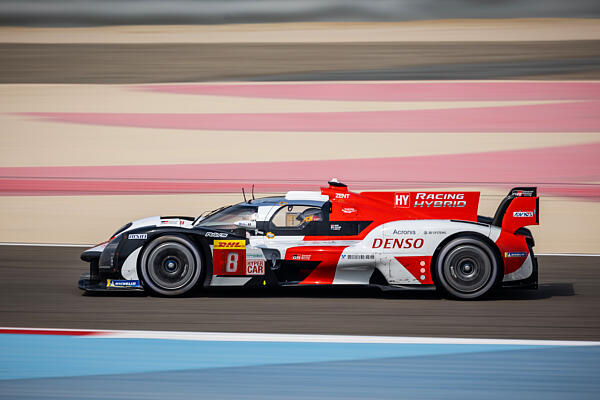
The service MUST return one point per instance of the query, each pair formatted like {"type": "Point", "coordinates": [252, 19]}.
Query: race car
{"type": "Point", "coordinates": [409, 240]}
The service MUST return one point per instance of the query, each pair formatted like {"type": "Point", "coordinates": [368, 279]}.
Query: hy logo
{"type": "Point", "coordinates": [402, 200]}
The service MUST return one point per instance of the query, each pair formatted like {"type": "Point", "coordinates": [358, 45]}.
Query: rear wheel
{"type": "Point", "coordinates": [171, 266]}
{"type": "Point", "coordinates": [467, 268]}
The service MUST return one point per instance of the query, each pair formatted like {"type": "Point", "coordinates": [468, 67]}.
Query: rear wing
{"type": "Point", "coordinates": [520, 208]}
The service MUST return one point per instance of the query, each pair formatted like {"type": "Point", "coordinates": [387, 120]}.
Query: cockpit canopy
{"type": "Point", "coordinates": [226, 218]}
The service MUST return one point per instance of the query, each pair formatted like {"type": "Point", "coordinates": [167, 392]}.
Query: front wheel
{"type": "Point", "coordinates": [467, 268]}
{"type": "Point", "coordinates": [171, 266]}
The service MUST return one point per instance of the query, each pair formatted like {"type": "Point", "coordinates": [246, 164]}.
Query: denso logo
{"type": "Point", "coordinates": [402, 200]}
{"type": "Point", "coordinates": [342, 195]}
{"type": "Point", "coordinates": [440, 200]}
{"type": "Point", "coordinates": [404, 243]}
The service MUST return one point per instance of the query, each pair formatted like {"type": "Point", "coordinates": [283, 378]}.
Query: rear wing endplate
{"type": "Point", "coordinates": [520, 208]}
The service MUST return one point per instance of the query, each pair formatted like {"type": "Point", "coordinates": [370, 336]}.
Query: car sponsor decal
{"type": "Point", "coordinates": [402, 200]}
{"type": "Point", "coordinates": [255, 267]}
{"type": "Point", "coordinates": [137, 236]}
{"type": "Point", "coordinates": [520, 254]}
{"type": "Point", "coordinates": [216, 234]}
{"type": "Point", "coordinates": [439, 200]}
{"type": "Point", "coordinates": [349, 210]}
{"type": "Point", "coordinates": [524, 193]}
{"type": "Point", "coordinates": [230, 244]}
{"type": "Point", "coordinates": [122, 283]}
{"type": "Point", "coordinates": [403, 232]}
{"type": "Point", "coordinates": [253, 254]}
{"type": "Point", "coordinates": [173, 222]}
{"type": "Point", "coordinates": [358, 256]}
{"type": "Point", "coordinates": [404, 243]}
{"type": "Point", "coordinates": [270, 235]}
{"type": "Point", "coordinates": [522, 214]}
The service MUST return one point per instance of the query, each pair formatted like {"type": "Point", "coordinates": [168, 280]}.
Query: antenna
{"type": "Point", "coordinates": [253, 198]}
{"type": "Point", "coordinates": [244, 194]}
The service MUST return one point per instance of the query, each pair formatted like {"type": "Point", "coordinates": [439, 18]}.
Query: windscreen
{"type": "Point", "coordinates": [227, 218]}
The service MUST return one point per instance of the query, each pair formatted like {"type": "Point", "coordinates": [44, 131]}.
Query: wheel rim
{"type": "Point", "coordinates": [171, 265]}
{"type": "Point", "coordinates": [467, 269]}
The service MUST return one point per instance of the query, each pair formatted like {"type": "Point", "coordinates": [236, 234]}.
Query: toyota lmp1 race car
{"type": "Point", "coordinates": [410, 240]}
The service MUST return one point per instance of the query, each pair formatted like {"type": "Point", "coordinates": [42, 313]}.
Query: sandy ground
{"type": "Point", "coordinates": [25, 141]}
{"type": "Point", "coordinates": [17, 98]}
{"type": "Point", "coordinates": [71, 145]}
{"type": "Point", "coordinates": [469, 30]}
{"type": "Point", "coordinates": [64, 144]}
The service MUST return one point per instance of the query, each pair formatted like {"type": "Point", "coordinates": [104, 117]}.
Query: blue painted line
{"type": "Point", "coordinates": [45, 356]}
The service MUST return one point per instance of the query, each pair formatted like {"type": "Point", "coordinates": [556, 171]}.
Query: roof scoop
{"type": "Point", "coordinates": [335, 183]}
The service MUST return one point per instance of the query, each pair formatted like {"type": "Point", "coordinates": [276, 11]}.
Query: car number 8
{"type": "Point", "coordinates": [232, 262]}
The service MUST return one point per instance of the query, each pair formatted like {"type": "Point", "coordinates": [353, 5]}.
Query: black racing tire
{"type": "Point", "coordinates": [170, 266]}
{"type": "Point", "coordinates": [467, 268]}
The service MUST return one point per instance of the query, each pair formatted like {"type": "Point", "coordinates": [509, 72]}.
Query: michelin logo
{"type": "Point", "coordinates": [122, 283]}
{"type": "Point", "coordinates": [515, 254]}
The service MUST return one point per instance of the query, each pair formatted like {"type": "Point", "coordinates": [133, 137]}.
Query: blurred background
{"type": "Point", "coordinates": [116, 110]}
{"type": "Point", "coordinates": [111, 111]}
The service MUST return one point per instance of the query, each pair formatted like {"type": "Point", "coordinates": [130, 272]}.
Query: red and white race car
{"type": "Point", "coordinates": [421, 239]}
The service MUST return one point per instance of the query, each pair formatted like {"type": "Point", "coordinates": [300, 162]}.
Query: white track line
{"type": "Point", "coordinates": [302, 338]}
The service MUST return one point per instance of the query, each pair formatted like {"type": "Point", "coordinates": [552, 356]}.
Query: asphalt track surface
{"type": "Point", "coordinates": [144, 12]}
{"type": "Point", "coordinates": [189, 62]}
{"type": "Point", "coordinates": [39, 289]}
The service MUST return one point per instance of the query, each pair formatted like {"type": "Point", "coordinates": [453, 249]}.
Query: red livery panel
{"type": "Point", "coordinates": [402, 205]}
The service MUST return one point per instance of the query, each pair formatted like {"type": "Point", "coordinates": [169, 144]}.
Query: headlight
{"type": "Point", "coordinates": [121, 229]}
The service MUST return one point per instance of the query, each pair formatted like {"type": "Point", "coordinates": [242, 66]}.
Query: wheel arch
{"type": "Point", "coordinates": [200, 244]}
{"type": "Point", "coordinates": [474, 235]}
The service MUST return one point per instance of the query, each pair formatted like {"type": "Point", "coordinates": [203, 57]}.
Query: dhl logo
{"type": "Point", "coordinates": [230, 244]}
